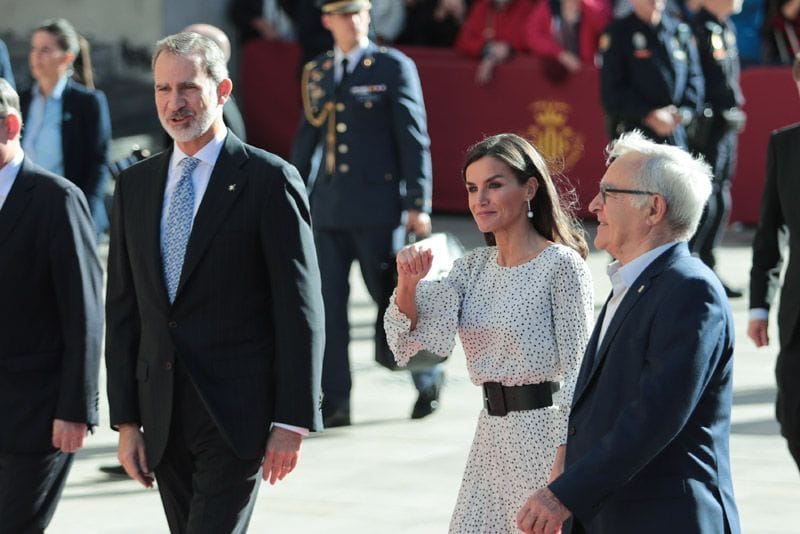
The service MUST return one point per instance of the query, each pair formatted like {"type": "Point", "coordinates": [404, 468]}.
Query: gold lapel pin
{"type": "Point", "coordinates": [232, 187]}
{"type": "Point", "coordinates": [641, 288]}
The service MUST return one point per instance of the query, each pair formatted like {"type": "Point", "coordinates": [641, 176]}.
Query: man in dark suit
{"type": "Point", "coordinates": [651, 78]}
{"type": "Point", "coordinates": [779, 216]}
{"type": "Point", "coordinates": [215, 323]}
{"type": "Point", "coordinates": [718, 130]}
{"type": "Point", "coordinates": [51, 329]}
{"type": "Point", "coordinates": [647, 446]}
{"type": "Point", "coordinates": [363, 147]}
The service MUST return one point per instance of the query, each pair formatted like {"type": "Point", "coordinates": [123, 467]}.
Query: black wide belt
{"type": "Point", "coordinates": [499, 399]}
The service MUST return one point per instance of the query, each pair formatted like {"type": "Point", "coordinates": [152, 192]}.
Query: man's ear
{"type": "Point", "coordinates": [657, 209]}
{"type": "Point", "coordinates": [13, 125]}
{"type": "Point", "coordinates": [224, 89]}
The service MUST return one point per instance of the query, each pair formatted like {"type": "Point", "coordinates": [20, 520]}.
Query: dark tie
{"type": "Point", "coordinates": [344, 71]}
{"type": "Point", "coordinates": [178, 227]}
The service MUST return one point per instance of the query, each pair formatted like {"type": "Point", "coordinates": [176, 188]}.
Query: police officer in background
{"type": "Point", "coordinates": [650, 77]}
{"type": "Point", "coordinates": [363, 147]}
{"type": "Point", "coordinates": [717, 129]}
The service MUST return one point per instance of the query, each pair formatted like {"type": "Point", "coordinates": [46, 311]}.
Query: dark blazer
{"type": "Point", "coordinates": [50, 304]}
{"type": "Point", "coordinates": [85, 142]}
{"type": "Point", "coordinates": [779, 214]}
{"type": "Point", "coordinates": [247, 321]}
{"type": "Point", "coordinates": [647, 446]}
{"type": "Point", "coordinates": [381, 148]}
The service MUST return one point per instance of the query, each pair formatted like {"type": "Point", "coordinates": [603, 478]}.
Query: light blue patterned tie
{"type": "Point", "coordinates": [178, 228]}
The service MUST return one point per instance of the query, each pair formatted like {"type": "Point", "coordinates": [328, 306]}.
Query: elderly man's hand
{"type": "Point", "coordinates": [542, 513]}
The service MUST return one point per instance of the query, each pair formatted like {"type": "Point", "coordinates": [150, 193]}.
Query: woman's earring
{"type": "Point", "coordinates": [530, 210]}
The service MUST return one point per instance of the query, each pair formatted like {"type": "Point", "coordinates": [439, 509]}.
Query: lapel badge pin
{"type": "Point", "coordinates": [641, 288]}
{"type": "Point", "coordinates": [231, 187]}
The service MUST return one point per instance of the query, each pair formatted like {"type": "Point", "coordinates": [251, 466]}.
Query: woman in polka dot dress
{"type": "Point", "coordinates": [522, 307]}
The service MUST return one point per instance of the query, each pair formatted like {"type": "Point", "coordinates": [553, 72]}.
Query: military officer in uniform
{"type": "Point", "coordinates": [650, 77]}
{"type": "Point", "coordinates": [363, 147]}
{"type": "Point", "coordinates": [718, 128]}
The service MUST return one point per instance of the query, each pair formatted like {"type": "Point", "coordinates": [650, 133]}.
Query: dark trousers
{"type": "Point", "coordinates": [204, 486]}
{"type": "Point", "coordinates": [30, 487]}
{"type": "Point", "coordinates": [721, 155]}
{"type": "Point", "coordinates": [336, 250]}
{"type": "Point", "coordinates": [787, 402]}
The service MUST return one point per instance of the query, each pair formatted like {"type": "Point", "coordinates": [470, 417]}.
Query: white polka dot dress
{"type": "Point", "coordinates": [518, 325]}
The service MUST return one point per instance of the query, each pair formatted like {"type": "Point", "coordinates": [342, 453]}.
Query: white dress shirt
{"type": "Point", "coordinates": [8, 174]}
{"type": "Point", "coordinates": [208, 156]}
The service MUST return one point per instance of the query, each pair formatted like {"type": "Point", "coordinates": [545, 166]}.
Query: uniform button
{"type": "Point", "coordinates": [387, 177]}
{"type": "Point", "coordinates": [572, 430]}
{"type": "Point", "coordinates": [168, 366]}
{"type": "Point", "coordinates": [339, 106]}
{"type": "Point", "coordinates": [368, 104]}
{"type": "Point", "coordinates": [172, 324]}
{"type": "Point", "coordinates": [341, 127]}
{"type": "Point", "coordinates": [343, 149]}
{"type": "Point", "coordinates": [344, 167]}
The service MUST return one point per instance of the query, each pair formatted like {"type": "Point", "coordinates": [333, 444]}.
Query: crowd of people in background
{"type": "Point", "coordinates": [768, 31]}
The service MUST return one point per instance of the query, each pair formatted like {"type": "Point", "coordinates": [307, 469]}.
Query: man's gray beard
{"type": "Point", "coordinates": [197, 127]}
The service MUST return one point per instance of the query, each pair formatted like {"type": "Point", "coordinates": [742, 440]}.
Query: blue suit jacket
{"type": "Point", "coordinates": [647, 449]}
{"type": "Point", "coordinates": [381, 145]}
{"type": "Point", "coordinates": [85, 141]}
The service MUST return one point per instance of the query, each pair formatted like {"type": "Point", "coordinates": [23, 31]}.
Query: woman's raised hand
{"type": "Point", "coordinates": [413, 263]}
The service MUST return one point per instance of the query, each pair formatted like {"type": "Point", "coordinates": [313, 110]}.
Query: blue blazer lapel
{"type": "Point", "coordinates": [18, 199]}
{"type": "Point", "coordinates": [224, 187]}
{"type": "Point", "coordinates": [637, 290]}
{"type": "Point", "coordinates": [589, 355]}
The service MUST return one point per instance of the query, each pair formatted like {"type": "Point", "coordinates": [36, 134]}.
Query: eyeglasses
{"type": "Point", "coordinates": [604, 190]}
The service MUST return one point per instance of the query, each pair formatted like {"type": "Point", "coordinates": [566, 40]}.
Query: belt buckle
{"type": "Point", "coordinates": [494, 398]}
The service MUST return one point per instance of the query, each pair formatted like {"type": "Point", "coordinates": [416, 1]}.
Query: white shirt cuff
{"type": "Point", "coordinates": [759, 314]}
{"type": "Point", "coordinates": [300, 430]}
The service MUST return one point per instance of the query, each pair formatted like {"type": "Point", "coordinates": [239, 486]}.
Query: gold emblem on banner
{"type": "Point", "coordinates": [558, 142]}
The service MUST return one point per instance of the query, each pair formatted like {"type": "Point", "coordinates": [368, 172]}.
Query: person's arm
{"type": "Point", "coordinates": [471, 40]}
{"type": "Point", "coordinates": [287, 245]}
{"type": "Point", "coordinates": [695, 93]}
{"type": "Point", "coordinates": [97, 141]}
{"type": "Point", "coordinates": [767, 254]}
{"type": "Point", "coordinates": [686, 343]}
{"type": "Point", "coordinates": [540, 34]}
{"type": "Point", "coordinates": [308, 136]}
{"type": "Point", "coordinates": [412, 143]}
{"type": "Point", "coordinates": [619, 97]}
{"type": "Point", "coordinates": [77, 281]}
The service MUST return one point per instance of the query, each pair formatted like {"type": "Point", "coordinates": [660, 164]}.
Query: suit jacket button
{"type": "Point", "coordinates": [339, 106]}
{"type": "Point", "coordinates": [172, 324]}
{"type": "Point", "coordinates": [368, 104]}
{"type": "Point", "coordinates": [344, 167]}
{"type": "Point", "coordinates": [341, 127]}
{"type": "Point", "coordinates": [168, 366]}
{"type": "Point", "coordinates": [572, 430]}
{"type": "Point", "coordinates": [343, 149]}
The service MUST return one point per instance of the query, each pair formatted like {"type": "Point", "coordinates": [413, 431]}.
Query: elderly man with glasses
{"type": "Point", "coordinates": [647, 446]}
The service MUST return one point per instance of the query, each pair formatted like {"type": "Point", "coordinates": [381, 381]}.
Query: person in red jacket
{"type": "Point", "coordinates": [493, 30]}
{"type": "Point", "coordinates": [569, 36]}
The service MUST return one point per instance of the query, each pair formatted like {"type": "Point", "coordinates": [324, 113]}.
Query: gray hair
{"type": "Point", "coordinates": [682, 179]}
{"type": "Point", "coordinates": [9, 100]}
{"type": "Point", "coordinates": [191, 44]}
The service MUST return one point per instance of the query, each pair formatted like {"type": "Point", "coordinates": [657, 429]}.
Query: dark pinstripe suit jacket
{"type": "Point", "coordinates": [50, 305]}
{"type": "Point", "coordinates": [247, 321]}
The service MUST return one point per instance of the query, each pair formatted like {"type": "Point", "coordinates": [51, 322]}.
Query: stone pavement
{"type": "Point", "coordinates": [390, 474]}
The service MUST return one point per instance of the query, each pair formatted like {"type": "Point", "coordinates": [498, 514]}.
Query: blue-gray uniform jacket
{"type": "Point", "coordinates": [648, 67]}
{"type": "Point", "coordinates": [372, 133]}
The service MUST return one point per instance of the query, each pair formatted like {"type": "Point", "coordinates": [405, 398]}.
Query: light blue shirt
{"type": "Point", "coordinates": [41, 138]}
{"type": "Point", "coordinates": [353, 57]}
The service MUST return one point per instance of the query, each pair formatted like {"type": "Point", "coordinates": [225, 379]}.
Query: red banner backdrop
{"type": "Point", "coordinates": [563, 119]}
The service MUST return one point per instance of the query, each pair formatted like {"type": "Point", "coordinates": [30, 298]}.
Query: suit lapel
{"type": "Point", "coordinates": [224, 188]}
{"type": "Point", "coordinates": [589, 356]}
{"type": "Point", "coordinates": [153, 206]}
{"type": "Point", "coordinates": [18, 199]}
{"type": "Point", "coordinates": [635, 293]}
{"type": "Point", "coordinates": [69, 130]}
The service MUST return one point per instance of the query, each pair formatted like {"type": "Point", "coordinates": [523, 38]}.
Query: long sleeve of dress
{"type": "Point", "coordinates": [438, 309]}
